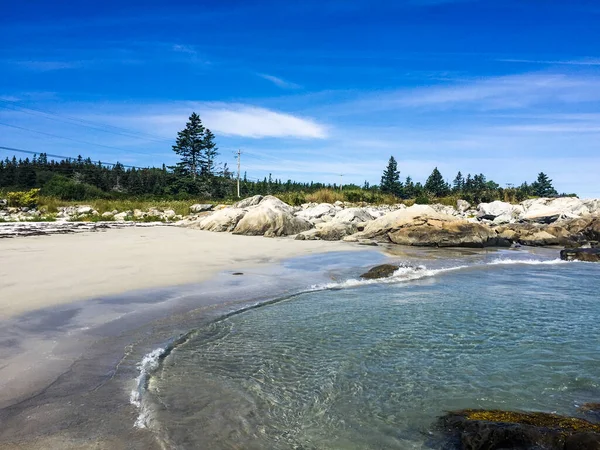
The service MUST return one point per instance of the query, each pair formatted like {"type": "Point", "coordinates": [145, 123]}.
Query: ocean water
{"type": "Point", "coordinates": [373, 365]}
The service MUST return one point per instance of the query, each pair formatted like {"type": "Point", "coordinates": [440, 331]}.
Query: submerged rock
{"type": "Point", "coordinates": [381, 271]}
{"type": "Point", "coordinates": [580, 254]}
{"type": "Point", "coordinates": [488, 430]}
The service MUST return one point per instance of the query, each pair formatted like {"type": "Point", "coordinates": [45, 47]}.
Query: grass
{"type": "Point", "coordinates": [332, 196]}
{"type": "Point", "coordinates": [103, 205]}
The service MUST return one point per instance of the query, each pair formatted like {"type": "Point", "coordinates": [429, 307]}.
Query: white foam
{"type": "Point", "coordinates": [401, 275]}
{"type": "Point", "coordinates": [146, 366]}
{"type": "Point", "coordinates": [531, 262]}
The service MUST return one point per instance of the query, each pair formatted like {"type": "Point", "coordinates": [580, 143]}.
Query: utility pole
{"type": "Point", "coordinates": [239, 158]}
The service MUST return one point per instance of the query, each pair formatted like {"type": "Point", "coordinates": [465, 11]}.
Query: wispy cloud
{"type": "Point", "coordinates": [280, 82]}
{"type": "Point", "coordinates": [228, 119]}
{"type": "Point", "coordinates": [48, 66]}
{"type": "Point", "coordinates": [566, 62]}
{"type": "Point", "coordinates": [511, 92]}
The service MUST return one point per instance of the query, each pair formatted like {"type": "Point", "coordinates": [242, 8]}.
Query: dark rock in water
{"type": "Point", "coordinates": [580, 254]}
{"type": "Point", "coordinates": [382, 271]}
{"type": "Point", "coordinates": [495, 430]}
{"type": "Point", "coordinates": [237, 273]}
{"type": "Point", "coordinates": [592, 410]}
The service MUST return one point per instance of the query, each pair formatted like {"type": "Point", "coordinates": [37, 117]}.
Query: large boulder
{"type": "Point", "coordinates": [354, 215]}
{"type": "Point", "coordinates": [545, 210]}
{"type": "Point", "coordinates": [198, 208]}
{"type": "Point", "coordinates": [490, 211]}
{"type": "Point", "coordinates": [425, 232]}
{"type": "Point", "coordinates": [488, 430]}
{"type": "Point", "coordinates": [247, 202]}
{"type": "Point", "coordinates": [328, 231]}
{"type": "Point", "coordinates": [380, 227]}
{"type": "Point", "coordinates": [220, 221]}
{"type": "Point", "coordinates": [271, 217]}
{"type": "Point", "coordinates": [316, 212]}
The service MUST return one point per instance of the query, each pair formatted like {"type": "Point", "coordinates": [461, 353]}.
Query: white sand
{"type": "Point", "coordinates": [37, 272]}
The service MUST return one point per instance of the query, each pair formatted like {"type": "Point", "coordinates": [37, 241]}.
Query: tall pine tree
{"type": "Point", "coordinates": [190, 146]}
{"type": "Point", "coordinates": [390, 180]}
{"type": "Point", "coordinates": [436, 185]}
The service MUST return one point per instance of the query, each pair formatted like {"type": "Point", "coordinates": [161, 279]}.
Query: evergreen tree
{"type": "Point", "coordinates": [436, 185]}
{"type": "Point", "coordinates": [458, 183]}
{"type": "Point", "coordinates": [190, 146]}
{"type": "Point", "coordinates": [409, 190]}
{"type": "Point", "coordinates": [209, 153]}
{"type": "Point", "coordinates": [390, 180]}
{"type": "Point", "coordinates": [543, 187]}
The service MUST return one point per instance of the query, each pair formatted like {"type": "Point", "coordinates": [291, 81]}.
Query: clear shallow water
{"type": "Point", "coordinates": [361, 366]}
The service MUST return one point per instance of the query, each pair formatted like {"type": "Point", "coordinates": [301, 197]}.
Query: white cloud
{"type": "Point", "coordinates": [230, 119]}
{"type": "Point", "coordinates": [567, 62]}
{"type": "Point", "coordinates": [280, 82]}
{"type": "Point", "coordinates": [487, 94]}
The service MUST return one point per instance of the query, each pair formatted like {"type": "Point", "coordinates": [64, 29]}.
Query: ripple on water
{"type": "Point", "coordinates": [373, 366]}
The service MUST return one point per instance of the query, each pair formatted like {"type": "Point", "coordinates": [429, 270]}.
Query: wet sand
{"type": "Point", "coordinates": [38, 272]}
{"type": "Point", "coordinates": [78, 313]}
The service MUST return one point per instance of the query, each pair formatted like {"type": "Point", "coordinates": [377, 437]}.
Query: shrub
{"type": "Point", "coordinates": [67, 189]}
{"type": "Point", "coordinates": [27, 199]}
{"type": "Point", "coordinates": [422, 200]}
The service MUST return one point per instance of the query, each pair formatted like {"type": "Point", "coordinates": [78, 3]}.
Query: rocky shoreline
{"type": "Point", "coordinates": [567, 221]}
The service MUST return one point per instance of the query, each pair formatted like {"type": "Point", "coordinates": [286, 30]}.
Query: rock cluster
{"type": "Point", "coordinates": [562, 221]}
{"type": "Point", "coordinates": [568, 222]}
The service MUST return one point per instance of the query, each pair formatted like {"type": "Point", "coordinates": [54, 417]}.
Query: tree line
{"type": "Point", "coordinates": [475, 188]}
{"type": "Point", "coordinates": [198, 174]}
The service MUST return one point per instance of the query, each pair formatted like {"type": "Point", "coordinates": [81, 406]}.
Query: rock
{"type": "Point", "coordinates": [538, 239]}
{"type": "Point", "coordinates": [138, 213]}
{"type": "Point", "coordinates": [84, 210]}
{"type": "Point", "coordinates": [368, 242]}
{"type": "Point", "coordinates": [381, 271]}
{"type": "Point", "coordinates": [443, 233]}
{"type": "Point", "coordinates": [169, 214]}
{"type": "Point", "coordinates": [120, 217]}
{"type": "Point", "coordinates": [462, 206]}
{"type": "Point", "coordinates": [488, 430]}
{"type": "Point", "coordinates": [329, 231]}
{"type": "Point", "coordinates": [220, 221]}
{"type": "Point", "coordinates": [316, 212]}
{"type": "Point", "coordinates": [354, 215]}
{"type": "Point", "coordinates": [271, 217]}
{"type": "Point", "coordinates": [580, 254]}
{"type": "Point", "coordinates": [380, 227]}
{"type": "Point", "coordinates": [198, 208]}
{"type": "Point", "coordinates": [247, 202]}
{"type": "Point", "coordinates": [490, 211]}
{"type": "Point", "coordinates": [3, 203]}
{"type": "Point", "coordinates": [107, 215]}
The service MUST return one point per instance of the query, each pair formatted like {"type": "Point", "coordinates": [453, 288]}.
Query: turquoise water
{"type": "Point", "coordinates": [372, 366]}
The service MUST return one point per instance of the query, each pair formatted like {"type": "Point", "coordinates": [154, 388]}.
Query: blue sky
{"type": "Point", "coordinates": [314, 89]}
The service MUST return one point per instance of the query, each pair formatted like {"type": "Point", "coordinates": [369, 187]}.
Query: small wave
{"type": "Point", "coordinates": [531, 262]}
{"type": "Point", "coordinates": [403, 274]}
{"type": "Point", "coordinates": [146, 366]}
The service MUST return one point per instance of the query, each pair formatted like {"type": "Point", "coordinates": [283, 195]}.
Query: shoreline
{"type": "Point", "coordinates": [44, 271]}
{"type": "Point", "coordinates": [91, 349]}
{"type": "Point", "coordinates": [87, 350]}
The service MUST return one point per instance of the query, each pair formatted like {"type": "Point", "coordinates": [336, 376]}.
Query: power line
{"type": "Point", "coordinates": [84, 123]}
{"type": "Point", "coordinates": [68, 158]}
{"type": "Point", "coordinates": [71, 139]}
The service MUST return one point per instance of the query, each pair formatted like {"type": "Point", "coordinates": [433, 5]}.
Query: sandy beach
{"type": "Point", "coordinates": [78, 314]}
{"type": "Point", "coordinates": [38, 272]}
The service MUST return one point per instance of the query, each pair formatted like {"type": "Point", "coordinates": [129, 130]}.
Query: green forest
{"type": "Point", "coordinates": [198, 175]}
